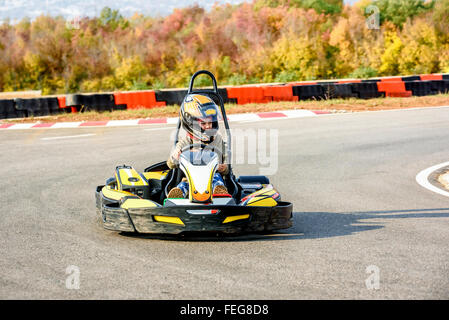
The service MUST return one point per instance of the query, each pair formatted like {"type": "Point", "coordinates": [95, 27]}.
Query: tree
{"type": "Point", "coordinates": [392, 54]}
{"type": "Point", "coordinates": [440, 18]}
{"type": "Point", "coordinates": [263, 41]}
{"type": "Point", "coordinates": [420, 52]}
{"type": "Point", "coordinates": [112, 19]}
{"type": "Point", "coordinates": [320, 6]}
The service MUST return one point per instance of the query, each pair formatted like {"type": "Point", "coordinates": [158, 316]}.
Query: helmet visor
{"type": "Point", "coordinates": [206, 127]}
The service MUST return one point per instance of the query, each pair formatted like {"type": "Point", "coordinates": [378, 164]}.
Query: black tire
{"type": "Point", "coordinates": [2, 109]}
{"type": "Point", "coordinates": [224, 95]}
{"type": "Point", "coordinates": [53, 106]}
{"type": "Point", "coordinates": [73, 100]}
{"type": "Point", "coordinates": [44, 108]}
{"type": "Point", "coordinates": [7, 109]}
{"type": "Point", "coordinates": [338, 90]}
{"type": "Point", "coordinates": [88, 102]}
{"type": "Point", "coordinates": [20, 108]}
{"type": "Point", "coordinates": [367, 89]}
{"type": "Point", "coordinates": [411, 78]}
{"type": "Point", "coordinates": [105, 102]}
{"type": "Point", "coordinates": [171, 97]}
{"type": "Point", "coordinates": [305, 92]}
{"type": "Point", "coordinates": [120, 107]}
{"type": "Point", "coordinates": [33, 107]}
{"type": "Point", "coordinates": [419, 88]}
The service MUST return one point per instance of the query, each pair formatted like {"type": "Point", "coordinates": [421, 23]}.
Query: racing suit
{"type": "Point", "coordinates": [217, 145]}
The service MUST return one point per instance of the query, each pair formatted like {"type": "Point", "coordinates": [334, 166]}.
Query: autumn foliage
{"type": "Point", "coordinates": [259, 42]}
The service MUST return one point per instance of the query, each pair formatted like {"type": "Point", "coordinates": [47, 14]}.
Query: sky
{"type": "Point", "coordinates": [18, 9]}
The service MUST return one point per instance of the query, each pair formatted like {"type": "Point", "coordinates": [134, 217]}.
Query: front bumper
{"type": "Point", "coordinates": [147, 220]}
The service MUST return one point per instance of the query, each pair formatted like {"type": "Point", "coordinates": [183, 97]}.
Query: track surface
{"type": "Point", "coordinates": [351, 178]}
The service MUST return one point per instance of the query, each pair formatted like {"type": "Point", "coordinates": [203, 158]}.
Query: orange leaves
{"type": "Point", "coordinates": [259, 41]}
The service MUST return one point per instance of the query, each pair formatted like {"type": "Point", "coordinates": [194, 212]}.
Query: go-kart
{"type": "Point", "coordinates": [137, 202]}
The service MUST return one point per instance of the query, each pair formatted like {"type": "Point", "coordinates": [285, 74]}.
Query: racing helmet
{"type": "Point", "coordinates": [199, 117]}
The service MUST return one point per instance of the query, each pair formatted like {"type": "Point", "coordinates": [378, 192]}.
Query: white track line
{"type": "Point", "coordinates": [69, 137]}
{"type": "Point", "coordinates": [19, 126]}
{"type": "Point", "coordinates": [298, 113]}
{"type": "Point", "coordinates": [242, 117]}
{"type": "Point", "coordinates": [161, 128]}
{"type": "Point", "coordinates": [423, 179]}
{"type": "Point", "coordinates": [121, 123]}
{"type": "Point", "coordinates": [172, 120]}
{"type": "Point", "coordinates": [263, 119]}
{"type": "Point", "coordinates": [288, 114]}
{"type": "Point", "coordinates": [60, 125]}
{"type": "Point", "coordinates": [380, 111]}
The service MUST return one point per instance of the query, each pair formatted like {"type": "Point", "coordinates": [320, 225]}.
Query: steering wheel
{"type": "Point", "coordinates": [194, 145]}
{"type": "Point", "coordinates": [177, 173]}
{"type": "Point", "coordinates": [203, 146]}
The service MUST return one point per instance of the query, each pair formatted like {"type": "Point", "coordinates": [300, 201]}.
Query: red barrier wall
{"type": "Point", "coordinates": [138, 99]}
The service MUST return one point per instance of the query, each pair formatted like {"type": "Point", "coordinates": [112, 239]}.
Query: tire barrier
{"type": "Point", "coordinates": [367, 90]}
{"type": "Point", "coordinates": [402, 86]}
{"type": "Point", "coordinates": [223, 92]}
{"type": "Point", "coordinates": [120, 107]}
{"type": "Point", "coordinates": [171, 97]}
{"type": "Point", "coordinates": [310, 91]}
{"type": "Point", "coordinates": [137, 99]}
{"type": "Point", "coordinates": [8, 110]}
{"type": "Point", "coordinates": [2, 109]}
{"type": "Point", "coordinates": [63, 108]}
{"type": "Point", "coordinates": [176, 96]}
{"type": "Point", "coordinates": [417, 85]}
{"type": "Point", "coordinates": [338, 90]}
{"type": "Point", "coordinates": [440, 86]}
{"type": "Point", "coordinates": [90, 102]}
{"type": "Point", "coordinates": [420, 88]}
{"type": "Point", "coordinates": [280, 93]}
{"type": "Point", "coordinates": [393, 88]}
{"type": "Point", "coordinates": [431, 77]}
{"type": "Point", "coordinates": [73, 100]}
{"type": "Point", "coordinates": [250, 94]}
{"type": "Point", "coordinates": [350, 81]}
{"type": "Point", "coordinates": [98, 102]}
{"type": "Point", "coordinates": [35, 107]}
{"type": "Point", "coordinates": [410, 78]}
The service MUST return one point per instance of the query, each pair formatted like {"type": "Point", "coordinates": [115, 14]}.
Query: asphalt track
{"type": "Point", "coordinates": [351, 178]}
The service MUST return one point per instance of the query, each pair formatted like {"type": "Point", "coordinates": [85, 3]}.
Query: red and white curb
{"type": "Point", "coordinates": [246, 117]}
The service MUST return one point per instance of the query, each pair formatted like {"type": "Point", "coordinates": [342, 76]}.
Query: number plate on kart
{"type": "Point", "coordinates": [211, 211]}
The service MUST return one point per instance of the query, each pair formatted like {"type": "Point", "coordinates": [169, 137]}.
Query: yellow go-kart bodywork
{"type": "Point", "coordinates": [131, 202]}
{"type": "Point", "coordinates": [138, 201]}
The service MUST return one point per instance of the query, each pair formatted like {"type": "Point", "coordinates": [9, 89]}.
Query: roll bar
{"type": "Point", "coordinates": [216, 94]}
